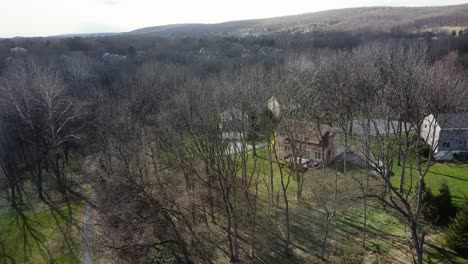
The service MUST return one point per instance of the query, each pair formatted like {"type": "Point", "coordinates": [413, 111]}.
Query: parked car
{"type": "Point", "coordinates": [306, 163]}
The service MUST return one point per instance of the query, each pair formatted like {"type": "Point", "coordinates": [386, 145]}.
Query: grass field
{"type": "Point", "coordinates": [386, 241]}
{"type": "Point", "coordinates": [455, 175]}
{"type": "Point", "coordinates": [38, 234]}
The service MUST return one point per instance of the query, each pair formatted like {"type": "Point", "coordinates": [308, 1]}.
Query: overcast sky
{"type": "Point", "coordinates": [54, 17]}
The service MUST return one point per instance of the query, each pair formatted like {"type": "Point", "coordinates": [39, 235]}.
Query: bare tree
{"type": "Point", "coordinates": [79, 71]}
{"type": "Point", "coordinates": [9, 164]}
{"type": "Point", "coordinates": [297, 89]}
{"type": "Point", "coordinates": [407, 96]}
{"type": "Point", "coordinates": [47, 120]}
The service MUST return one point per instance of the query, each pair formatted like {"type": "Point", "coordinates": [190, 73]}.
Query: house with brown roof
{"type": "Point", "coordinates": [310, 141]}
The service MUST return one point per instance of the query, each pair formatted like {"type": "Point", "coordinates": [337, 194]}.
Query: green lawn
{"type": "Point", "coordinates": [455, 175]}
{"type": "Point", "coordinates": [263, 167]}
{"type": "Point", "coordinates": [40, 235]}
{"type": "Point", "coordinates": [386, 232]}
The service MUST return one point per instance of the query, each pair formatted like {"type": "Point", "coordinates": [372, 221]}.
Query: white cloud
{"type": "Point", "coordinates": [51, 17]}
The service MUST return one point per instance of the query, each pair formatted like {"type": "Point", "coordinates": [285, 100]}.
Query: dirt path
{"type": "Point", "coordinates": [88, 254]}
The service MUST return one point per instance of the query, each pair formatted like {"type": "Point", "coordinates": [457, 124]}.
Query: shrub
{"type": "Point", "coordinates": [425, 151]}
{"type": "Point", "coordinates": [439, 208]}
{"type": "Point", "coordinates": [456, 237]}
{"type": "Point", "coordinates": [429, 210]}
{"type": "Point", "coordinates": [461, 157]}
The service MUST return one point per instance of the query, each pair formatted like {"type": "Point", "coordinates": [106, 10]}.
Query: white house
{"type": "Point", "coordinates": [279, 105]}
{"type": "Point", "coordinates": [274, 105]}
{"type": "Point", "coordinates": [233, 124]}
{"type": "Point", "coordinates": [446, 133]}
{"type": "Point", "coordinates": [113, 58]}
{"type": "Point", "coordinates": [18, 52]}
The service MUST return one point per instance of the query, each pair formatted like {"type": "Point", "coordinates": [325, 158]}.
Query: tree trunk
{"type": "Point", "coordinates": [232, 234]}
{"type": "Point", "coordinates": [418, 243]}
{"type": "Point", "coordinates": [254, 220]}
{"type": "Point", "coordinates": [19, 196]}
{"type": "Point", "coordinates": [287, 242]}
{"type": "Point", "coordinates": [236, 234]}
{"type": "Point", "coordinates": [287, 246]}
{"type": "Point", "coordinates": [298, 179]}
{"type": "Point", "coordinates": [14, 202]}
{"type": "Point", "coordinates": [403, 168]}
{"type": "Point", "coordinates": [232, 231]}
{"type": "Point", "coordinates": [272, 188]}
{"type": "Point", "coordinates": [39, 185]}
{"type": "Point", "coordinates": [364, 226]}
{"type": "Point", "coordinates": [325, 235]}
{"type": "Point", "coordinates": [58, 176]}
{"type": "Point", "coordinates": [229, 235]}
{"type": "Point", "coordinates": [399, 145]}
{"type": "Point", "coordinates": [254, 148]}
{"type": "Point", "coordinates": [345, 165]}
{"type": "Point", "coordinates": [210, 191]}
{"type": "Point", "coordinates": [180, 241]}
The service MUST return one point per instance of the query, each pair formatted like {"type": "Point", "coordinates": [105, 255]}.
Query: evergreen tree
{"type": "Point", "coordinates": [429, 210]}
{"type": "Point", "coordinates": [456, 237]}
{"type": "Point", "coordinates": [439, 208]}
{"type": "Point", "coordinates": [445, 208]}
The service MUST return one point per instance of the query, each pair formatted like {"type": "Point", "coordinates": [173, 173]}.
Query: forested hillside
{"type": "Point", "coordinates": [364, 19]}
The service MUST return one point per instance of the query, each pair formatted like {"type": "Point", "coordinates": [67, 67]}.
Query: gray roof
{"type": "Point", "coordinates": [378, 126]}
{"type": "Point", "coordinates": [453, 120]}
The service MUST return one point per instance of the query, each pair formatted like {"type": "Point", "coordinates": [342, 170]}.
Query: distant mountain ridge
{"type": "Point", "coordinates": [382, 19]}
{"type": "Point", "coordinates": [358, 19]}
{"type": "Point", "coordinates": [85, 35]}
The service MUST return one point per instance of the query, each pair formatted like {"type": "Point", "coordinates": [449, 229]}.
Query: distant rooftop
{"type": "Point", "coordinates": [453, 120]}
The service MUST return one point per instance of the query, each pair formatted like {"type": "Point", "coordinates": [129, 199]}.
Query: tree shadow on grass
{"type": "Point", "coordinates": [436, 254]}
{"type": "Point", "coordinates": [382, 243]}
{"type": "Point", "coordinates": [41, 233]}
{"type": "Point", "coordinates": [449, 176]}
{"type": "Point", "coordinates": [272, 241]}
{"type": "Point", "coordinates": [446, 175]}
{"type": "Point", "coordinates": [4, 255]}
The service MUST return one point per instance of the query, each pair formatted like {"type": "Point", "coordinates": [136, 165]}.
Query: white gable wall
{"type": "Point", "coordinates": [274, 106]}
{"type": "Point", "coordinates": [430, 132]}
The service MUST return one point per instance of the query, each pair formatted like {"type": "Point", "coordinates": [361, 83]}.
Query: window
{"type": "Point", "coordinates": [282, 134]}
{"type": "Point", "coordinates": [425, 125]}
{"type": "Point", "coordinates": [317, 155]}
{"type": "Point", "coordinates": [307, 155]}
{"type": "Point", "coordinates": [446, 144]}
{"type": "Point", "coordinates": [287, 148]}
